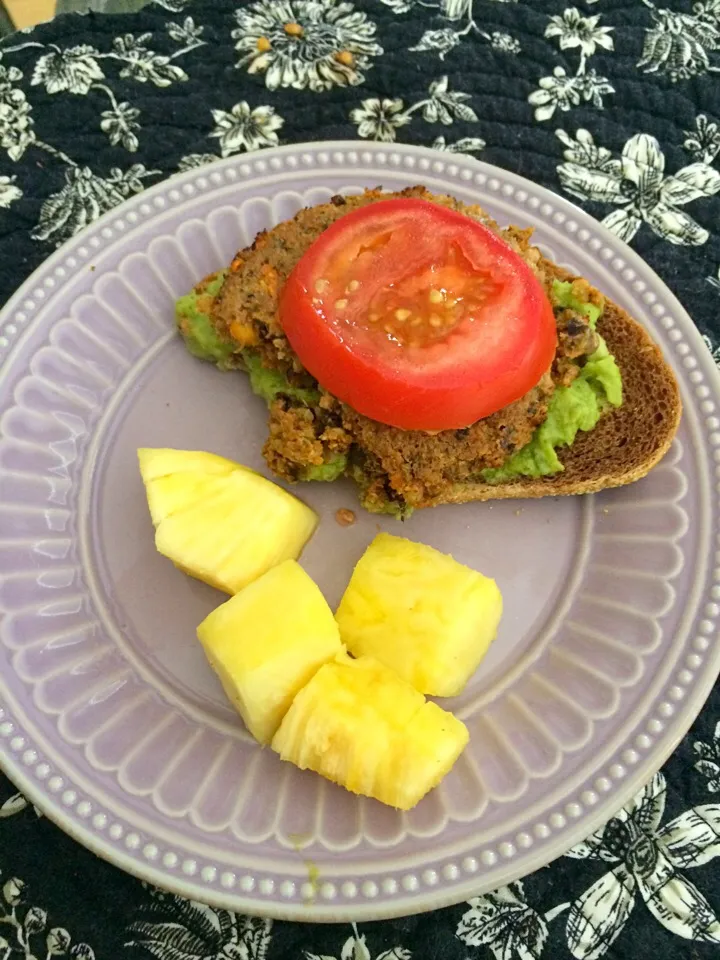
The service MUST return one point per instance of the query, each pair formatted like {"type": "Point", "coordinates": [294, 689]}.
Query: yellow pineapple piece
{"type": "Point", "coordinates": [422, 613]}
{"type": "Point", "coordinates": [360, 725]}
{"type": "Point", "coordinates": [219, 521]}
{"type": "Point", "coordinates": [167, 495]}
{"type": "Point", "coordinates": [267, 642]}
{"type": "Point", "coordinates": [164, 461]}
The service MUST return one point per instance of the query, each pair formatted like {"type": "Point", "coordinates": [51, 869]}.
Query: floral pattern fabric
{"type": "Point", "coordinates": [613, 103]}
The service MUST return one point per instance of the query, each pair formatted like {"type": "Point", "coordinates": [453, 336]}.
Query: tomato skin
{"type": "Point", "coordinates": [500, 336]}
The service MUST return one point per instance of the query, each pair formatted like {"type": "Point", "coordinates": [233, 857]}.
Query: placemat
{"type": "Point", "coordinates": [614, 103]}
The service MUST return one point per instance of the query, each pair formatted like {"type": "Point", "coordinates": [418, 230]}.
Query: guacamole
{"type": "Point", "coordinates": [577, 407]}
{"type": "Point", "coordinates": [270, 384]}
{"type": "Point", "coordinates": [192, 315]}
{"type": "Point", "coordinates": [326, 472]}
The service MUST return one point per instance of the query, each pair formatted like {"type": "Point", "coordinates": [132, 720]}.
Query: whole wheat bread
{"type": "Point", "coordinates": [627, 443]}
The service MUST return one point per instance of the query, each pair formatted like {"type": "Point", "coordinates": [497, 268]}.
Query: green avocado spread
{"type": "Point", "coordinates": [192, 315]}
{"type": "Point", "coordinates": [270, 384]}
{"type": "Point", "coordinates": [326, 472]}
{"type": "Point", "coordinates": [577, 407]}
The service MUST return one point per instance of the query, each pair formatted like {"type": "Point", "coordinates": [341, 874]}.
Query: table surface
{"type": "Point", "coordinates": [614, 103]}
{"type": "Point", "coordinates": [28, 13]}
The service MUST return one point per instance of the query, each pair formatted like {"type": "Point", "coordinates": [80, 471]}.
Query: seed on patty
{"type": "Point", "coordinates": [345, 58]}
{"type": "Point", "coordinates": [263, 45]}
{"type": "Point", "coordinates": [293, 29]}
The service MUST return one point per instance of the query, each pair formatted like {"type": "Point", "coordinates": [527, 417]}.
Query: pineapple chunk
{"type": "Point", "coordinates": [268, 642]}
{"type": "Point", "coordinates": [358, 724]}
{"type": "Point", "coordinates": [421, 613]}
{"type": "Point", "coordinates": [178, 491]}
{"type": "Point", "coordinates": [219, 521]}
{"type": "Point", "coordinates": [163, 461]}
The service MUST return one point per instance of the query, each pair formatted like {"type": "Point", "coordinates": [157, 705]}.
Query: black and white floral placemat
{"type": "Point", "coordinates": [614, 103]}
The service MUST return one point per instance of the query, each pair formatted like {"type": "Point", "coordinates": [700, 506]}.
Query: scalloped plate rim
{"type": "Point", "coordinates": [535, 858]}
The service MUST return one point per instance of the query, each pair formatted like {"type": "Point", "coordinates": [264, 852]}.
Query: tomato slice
{"type": "Point", "coordinates": [417, 316]}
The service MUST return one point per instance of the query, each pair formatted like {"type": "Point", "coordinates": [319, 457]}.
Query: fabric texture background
{"type": "Point", "coordinates": [613, 103]}
{"type": "Point", "coordinates": [100, 6]}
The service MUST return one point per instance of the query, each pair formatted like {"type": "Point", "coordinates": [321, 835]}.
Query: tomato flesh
{"type": "Point", "coordinates": [417, 316]}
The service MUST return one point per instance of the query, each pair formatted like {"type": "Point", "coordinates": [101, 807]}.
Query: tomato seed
{"type": "Point", "coordinates": [436, 296]}
{"type": "Point", "coordinates": [322, 285]}
{"type": "Point", "coordinates": [435, 321]}
{"type": "Point", "coordinates": [340, 304]}
{"type": "Point", "coordinates": [353, 286]}
{"type": "Point", "coordinates": [402, 315]}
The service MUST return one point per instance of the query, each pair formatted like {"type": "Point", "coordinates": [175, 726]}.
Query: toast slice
{"type": "Point", "coordinates": [624, 446]}
{"type": "Point", "coordinates": [626, 443]}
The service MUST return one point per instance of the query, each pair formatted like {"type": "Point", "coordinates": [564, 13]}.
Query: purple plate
{"type": "Point", "coordinates": [110, 718]}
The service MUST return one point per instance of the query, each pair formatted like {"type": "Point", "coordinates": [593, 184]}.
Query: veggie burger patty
{"type": "Point", "coordinates": [233, 320]}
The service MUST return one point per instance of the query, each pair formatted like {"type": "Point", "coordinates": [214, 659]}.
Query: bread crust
{"type": "Point", "coordinates": [626, 443]}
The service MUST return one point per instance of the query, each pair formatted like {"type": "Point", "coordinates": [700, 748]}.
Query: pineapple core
{"type": "Point", "coordinates": [219, 521]}
{"type": "Point", "coordinates": [267, 642]}
{"type": "Point", "coordinates": [358, 724]}
{"type": "Point", "coordinates": [421, 613]}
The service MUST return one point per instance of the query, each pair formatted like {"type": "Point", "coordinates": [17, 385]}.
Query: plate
{"type": "Point", "coordinates": [110, 719]}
